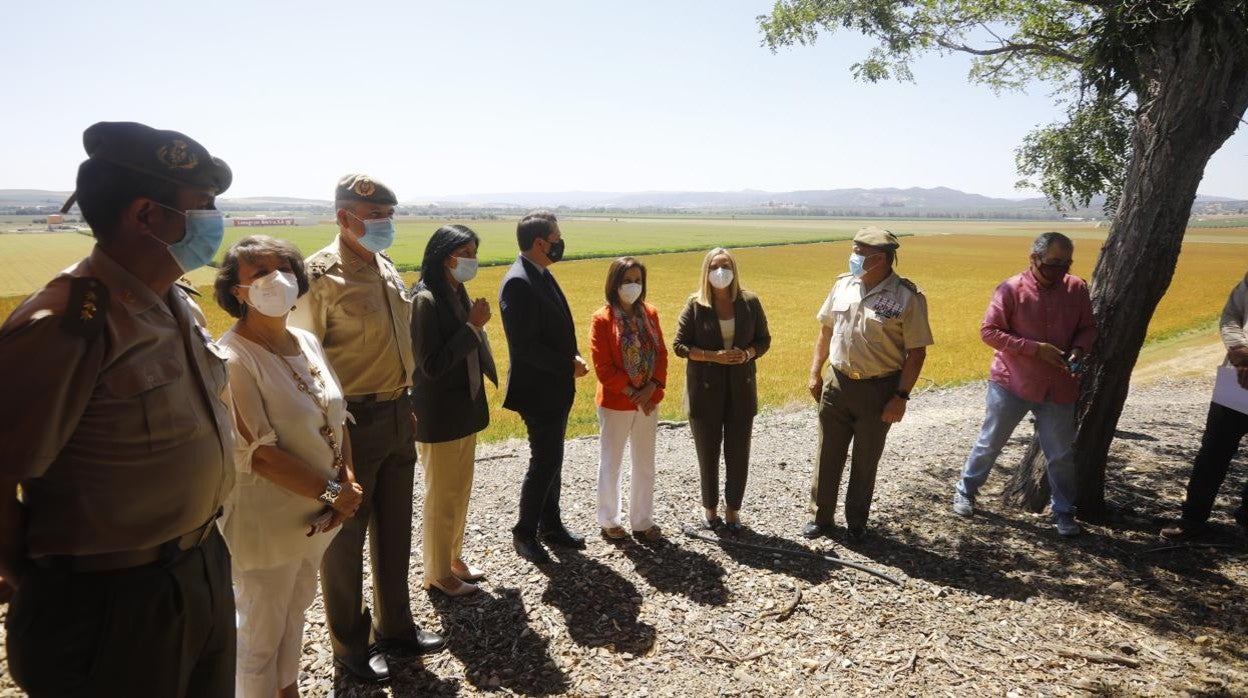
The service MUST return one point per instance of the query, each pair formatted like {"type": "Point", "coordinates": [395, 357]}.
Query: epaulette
{"type": "Point", "coordinates": [186, 285]}
{"type": "Point", "coordinates": [910, 285]}
{"type": "Point", "coordinates": [320, 263]}
{"type": "Point", "coordinates": [841, 276]}
{"type": "Point", "coordinates": [87, 309]}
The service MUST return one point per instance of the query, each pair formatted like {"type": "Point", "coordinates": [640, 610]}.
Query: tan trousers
{"type": "Point", "coordinates": [850, 412]}
{"type": "Point", "coordinates": [448, 484]}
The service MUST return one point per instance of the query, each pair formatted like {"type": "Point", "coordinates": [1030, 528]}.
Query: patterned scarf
{"type": "Point", "coordinates": [637, 343]}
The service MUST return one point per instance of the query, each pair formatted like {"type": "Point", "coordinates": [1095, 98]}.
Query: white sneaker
{"type": "Point", "coordinates": [1066, 525]}
{"type": "Point", "coordinates": [962, 505]}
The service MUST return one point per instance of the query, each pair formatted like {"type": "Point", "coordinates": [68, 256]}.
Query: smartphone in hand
{"type": "Point", "coordinates": [321, 523]}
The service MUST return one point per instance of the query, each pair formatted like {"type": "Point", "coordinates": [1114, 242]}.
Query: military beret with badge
{"type": "Point", "coordinates": [364, 189]}
{"type": "Point", "coordinates": [168, 155]}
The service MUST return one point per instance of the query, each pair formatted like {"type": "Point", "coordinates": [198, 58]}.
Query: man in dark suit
{"type": "Point", "coordinates": [541, 381]}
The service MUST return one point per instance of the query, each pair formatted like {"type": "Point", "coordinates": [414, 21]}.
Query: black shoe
{"type": "Point", "coordinates": [371, 668]}
{"type": "Point", "coordinates": [563, 537]}
{"type": "Point", "coordinates": [734, 527]}
{"type": "Point", "coordinates": [856, 533]}
{"type": "Point", "coordinates": [814, 530]}
{"type": "Point", "coordinates": [528, 548]}
{"type": "Point", "coordinates": [416, 641]}
{"type": "Point", "coordinates": [713, 523]}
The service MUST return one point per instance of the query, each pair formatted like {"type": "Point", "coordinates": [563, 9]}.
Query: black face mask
{"type": "Point", "coordinates": [555, 251]}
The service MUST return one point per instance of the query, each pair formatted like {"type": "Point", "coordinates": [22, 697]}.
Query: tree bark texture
{"type": "Point", "coordinates": [1192, 97]}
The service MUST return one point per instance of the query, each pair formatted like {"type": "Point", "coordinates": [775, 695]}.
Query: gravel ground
{"type": "Point", "coordinates": [997, 605]}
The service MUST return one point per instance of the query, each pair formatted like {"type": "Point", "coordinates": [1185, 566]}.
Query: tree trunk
{"type": "Point", "coordinates": [1194, 89]}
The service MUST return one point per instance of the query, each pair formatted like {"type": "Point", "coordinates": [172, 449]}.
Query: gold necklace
{"type": "Point", "coordinates": [328, 430]}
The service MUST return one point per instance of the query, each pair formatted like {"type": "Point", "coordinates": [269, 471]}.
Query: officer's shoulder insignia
{"type": "Point", "coordinates": [186, 285]}
{"type": "Point", "coordinates": [910, 285]}
{"type": "Point", "coordinates": [87, 309]}
{"type": "Point", "coordinates": [321, 262]}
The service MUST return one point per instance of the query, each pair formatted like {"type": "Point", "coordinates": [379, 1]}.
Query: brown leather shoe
{"type": "Point", "coordinates": [651, 535]}
{"type": "Point", "coordinates": [614, 533]}
{"type": "Point", "coordinates": [1183, 530]}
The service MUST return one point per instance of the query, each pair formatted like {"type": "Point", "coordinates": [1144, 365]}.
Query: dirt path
{"type": "Point", "coordinates": [998, 605]}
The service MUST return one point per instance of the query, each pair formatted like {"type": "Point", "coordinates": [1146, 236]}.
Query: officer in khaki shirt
{"type": "Point", "coordinates": [114, 422]}
{"type": "Point", "coordinates": [874, 333]}
{"type": "Point", "coordinates": [357, 305]}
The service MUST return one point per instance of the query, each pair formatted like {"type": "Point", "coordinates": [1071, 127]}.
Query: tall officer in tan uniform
{"type": "Point", "coordinates": [875, 332]}
{"type": "Point", "coordinates": [358, 307]}
{"type": "Point", "coordinates": [114, 423]}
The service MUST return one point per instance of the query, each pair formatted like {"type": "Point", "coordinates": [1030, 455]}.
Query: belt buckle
{"type": "Point", "coordinates": [856, 376]}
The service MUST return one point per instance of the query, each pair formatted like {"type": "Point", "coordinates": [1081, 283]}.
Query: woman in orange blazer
{"type": "Point", "coordinates": [630, 360]}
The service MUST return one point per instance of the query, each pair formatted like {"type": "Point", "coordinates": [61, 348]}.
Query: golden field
{"type": "Point", "coordinates": [957, 273]}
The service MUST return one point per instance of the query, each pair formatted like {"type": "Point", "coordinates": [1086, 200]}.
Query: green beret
{"type": "Point", "coordinates": [877, 237]}
{"type": "Point", "coordinates": [167, 155]}
{"type": "Point", "coordinates": [364, 189]}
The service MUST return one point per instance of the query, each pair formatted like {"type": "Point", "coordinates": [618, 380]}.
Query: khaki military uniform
{"type": "Point", "coordinates": [115, 420]}
{"type": "Point", "coordinates": [872, 333]}
{"type": "Point", "coordinates": [362, 316]}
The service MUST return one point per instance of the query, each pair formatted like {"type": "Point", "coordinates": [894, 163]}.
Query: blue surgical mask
{"type": "Point", "coordinates": [855, 265]}
{"type": "Point", "coordinates": [205, 229]}
{"type": "Point", "coordinates": [378, 233]}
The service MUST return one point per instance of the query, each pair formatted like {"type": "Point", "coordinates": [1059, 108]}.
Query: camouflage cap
{"type": "Point", "coordinates": [364, 189]}
{"type": "Point", "coordinates": [876, 237]}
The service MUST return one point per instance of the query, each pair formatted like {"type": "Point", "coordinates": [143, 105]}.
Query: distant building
{"type": "Point", "coordinates": [257, 221]}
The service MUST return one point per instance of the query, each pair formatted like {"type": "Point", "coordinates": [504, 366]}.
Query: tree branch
{"type": "Point", "coordinates": [1010, 47]}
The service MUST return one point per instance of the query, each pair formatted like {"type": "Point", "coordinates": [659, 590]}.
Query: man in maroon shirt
{"type": "Point", "coordinates": [1040, 324]}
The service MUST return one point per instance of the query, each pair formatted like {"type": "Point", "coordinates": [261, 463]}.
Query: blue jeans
{"type": "Point", "coordinates": [1055, 425]}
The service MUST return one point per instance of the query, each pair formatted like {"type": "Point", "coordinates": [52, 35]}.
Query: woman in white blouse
{"type": "Point", "coordinates": [295, 484]}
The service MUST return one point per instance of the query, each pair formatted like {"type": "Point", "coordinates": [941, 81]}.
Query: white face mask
{"type": "Point", "coordinates": [465, 269]}
{"type": "Point", "coordinates": [629, 293]}
{"type": "Point", "coordinates": [721, 278]}
{"type": "Point", "coordinates": [273, 294]}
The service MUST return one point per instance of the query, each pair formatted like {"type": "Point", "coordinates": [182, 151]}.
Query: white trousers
{"type": "Point", "coordinates": [270, 604]}
{"type": "Point", "coordinates": [637, 429]}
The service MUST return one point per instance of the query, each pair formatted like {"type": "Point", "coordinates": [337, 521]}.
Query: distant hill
{"type": "Point", "coordinates": [888, 202]}
{"type": "Point", "coordinates": [934, 198]}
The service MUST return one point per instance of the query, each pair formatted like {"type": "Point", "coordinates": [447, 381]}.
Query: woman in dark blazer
{"type": "Point", "coordinates": [721, 331]}
{"type": "Point", "coordinates": [453, 358]}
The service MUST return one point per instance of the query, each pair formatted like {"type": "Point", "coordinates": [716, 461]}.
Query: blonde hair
{"type": "Point", "coordinates": [705, 290]}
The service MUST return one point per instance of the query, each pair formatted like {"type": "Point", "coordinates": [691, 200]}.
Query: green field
{"type": "Point", "coordinates": [27, 260]}
{"type": "Point", "coordinates": [958, 272]}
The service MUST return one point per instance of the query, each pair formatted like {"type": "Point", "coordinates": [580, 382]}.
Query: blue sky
{"type": "Point", "coordinates": [467, 97]}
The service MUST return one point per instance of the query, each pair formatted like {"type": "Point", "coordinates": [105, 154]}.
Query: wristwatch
{"type": "Point", "coordinates": [903, 394]}
{"type": "Point", "coordinates": [332, 489]}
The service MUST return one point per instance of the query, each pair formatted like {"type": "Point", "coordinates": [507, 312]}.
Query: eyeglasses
{"type": "Point", "coordinates": [1057, 265]}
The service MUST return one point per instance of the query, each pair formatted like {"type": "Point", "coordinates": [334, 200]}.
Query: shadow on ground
{"type": "Point", "coordinates": [599, 606]}
{"type": "Point", "coordinates": [1118, 566]}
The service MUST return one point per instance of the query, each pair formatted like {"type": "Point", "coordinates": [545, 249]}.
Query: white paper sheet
{"type": "Point", "coordinates": [1227, 391]}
